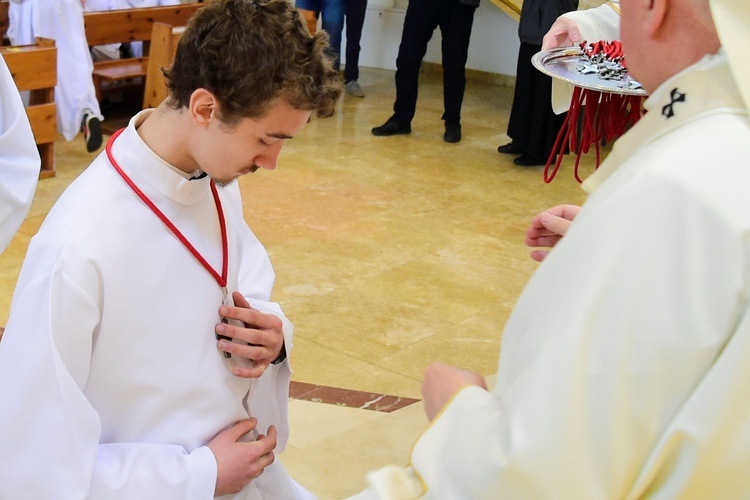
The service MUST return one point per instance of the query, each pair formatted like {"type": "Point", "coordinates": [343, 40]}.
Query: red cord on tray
{"type": "Point", "coordinates": [599, 116]}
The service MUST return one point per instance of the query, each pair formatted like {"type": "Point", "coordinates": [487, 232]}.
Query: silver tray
{"type": "Point", "coordinates": [562, 63]}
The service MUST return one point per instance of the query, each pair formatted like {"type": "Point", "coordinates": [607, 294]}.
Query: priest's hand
{"type": "Point", "coordinates": [239, 462]}
{"type": "Point", "coordinates": [442, 382]}
{"type": "Point", "coordinates": [564, 32]}
{"type": "Point", "coordinates": [548, 227]}
{"type": "Point", "coordinates": [262, 336]}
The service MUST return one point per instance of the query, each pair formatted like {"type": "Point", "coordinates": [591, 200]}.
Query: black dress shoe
{"type": "Point", "coordinates": [392, 127]}
{"type": "Point", "coordinates": [529, 161]}
{"type": "Point", "coordinates": [452, 132]}
{"type": "Point", "coordinates": [509, 149]}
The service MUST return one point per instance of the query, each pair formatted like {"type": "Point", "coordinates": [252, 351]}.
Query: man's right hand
{"type": "Point", "coordinates": [548, 227]}
{"type": "Point", "coordinates": [240, 462]}
{"type": "Point", "coordinates": [563, 33]}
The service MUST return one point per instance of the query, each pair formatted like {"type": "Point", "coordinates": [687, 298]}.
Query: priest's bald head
{"type": "Point", "coordinates": [663, 37]}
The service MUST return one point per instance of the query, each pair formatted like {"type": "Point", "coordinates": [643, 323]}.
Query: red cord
{"type": "Point", "coordinates": [603, 117]}
{"type": "Point", "coordinates": [220, 279]}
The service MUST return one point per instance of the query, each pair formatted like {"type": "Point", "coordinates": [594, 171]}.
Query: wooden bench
{"type": "Point", "coordinates": [124, 26]}
{"type": "Point", "coordinates": [4, 6]}
{"type": "Point", "coordinates": [164, 40]}
{"type": "Point", "coordinates": [34, 68]}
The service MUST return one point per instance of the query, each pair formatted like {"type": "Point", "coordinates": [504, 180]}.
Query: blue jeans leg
{"type": "Point", "coordinates": [332, 12]}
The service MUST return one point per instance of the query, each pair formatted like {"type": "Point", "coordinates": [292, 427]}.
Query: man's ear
{"type": "Point", "coordinates": [203, 107]}
{"type": "Point", "coordinates": [656, 16]}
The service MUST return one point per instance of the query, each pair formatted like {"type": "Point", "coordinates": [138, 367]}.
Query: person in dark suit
{"type": "Point", "coordinates": [355, 19]}
{"type": "Point", "coordinates": [533, 126]}
{"type": "Point", "coordinates": [455, 19]}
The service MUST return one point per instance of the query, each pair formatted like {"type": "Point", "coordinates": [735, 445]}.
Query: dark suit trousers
{"type": "Point", "coordinates": [355, 19]}
{"type": "Point", "coordinates": [422, 17]}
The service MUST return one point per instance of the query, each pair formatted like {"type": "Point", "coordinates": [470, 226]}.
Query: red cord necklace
{"type": "Point", "coordinates": [221, 279]}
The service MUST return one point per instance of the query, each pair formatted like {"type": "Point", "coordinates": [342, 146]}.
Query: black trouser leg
{"type": "Point", "coordinates": [355, 19]}
{"type": "Point", "coordinates": [455, 26]}
{"type": "Point", "coordinates": [421, 20]}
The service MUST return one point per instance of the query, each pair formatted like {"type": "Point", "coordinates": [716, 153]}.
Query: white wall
{"type": "Point", "coordinates": [493, 48]}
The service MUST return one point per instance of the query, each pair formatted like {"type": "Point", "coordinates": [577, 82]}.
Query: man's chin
{"type": "Point", "coordinates": [244, 171]}
{"type": "Point", "coordinates": [222, 183]}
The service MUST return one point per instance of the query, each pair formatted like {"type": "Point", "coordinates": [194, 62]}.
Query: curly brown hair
{"type": "Point", "coordinates": [248, 53]}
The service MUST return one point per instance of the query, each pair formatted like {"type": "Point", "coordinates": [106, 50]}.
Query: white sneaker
{"type": "Point", "coordinates": [352, 88]}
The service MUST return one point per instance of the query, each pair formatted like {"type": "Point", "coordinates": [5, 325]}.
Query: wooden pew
{"type": "Point", "coordinates": [164, 40]}
{"type": "Point", "coordinates": [34, 68]}
{"type": "Point", "coordinates": [4, 6]}
{"type": "Point", "coordinates": [129, 25]}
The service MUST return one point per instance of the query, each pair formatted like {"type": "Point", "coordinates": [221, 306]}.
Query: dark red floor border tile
{"type": "Point", "coordinates": [348, 397]}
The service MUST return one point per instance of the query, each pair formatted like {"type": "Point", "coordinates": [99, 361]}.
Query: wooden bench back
{"type": "Point", "coordinates": [164, 42]}
{"type": "Point", "coordinates": [34, 68]}
{"type": "Point", "coordinates": [132, 25]}
{"type": "Point", "coordinates": [4, 6]}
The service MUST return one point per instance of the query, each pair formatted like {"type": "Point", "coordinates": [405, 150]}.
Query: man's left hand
{"type": "Point", "coordinates": [442, 382]}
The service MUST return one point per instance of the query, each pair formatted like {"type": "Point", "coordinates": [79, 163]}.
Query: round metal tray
{"type": "Point", "coordinates": [563, 62]}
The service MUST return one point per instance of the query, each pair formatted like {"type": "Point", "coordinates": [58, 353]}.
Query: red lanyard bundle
{"type": "Point", "coordinates": [601, 116]}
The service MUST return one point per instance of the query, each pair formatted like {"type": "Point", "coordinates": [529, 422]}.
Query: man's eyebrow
{"type": "Point", "coordinates": [279, 136]}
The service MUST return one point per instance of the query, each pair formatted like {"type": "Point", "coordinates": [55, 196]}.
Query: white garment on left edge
{"type": "Point", "coordinates": [112, 383]}
{"type": "Point", "coordinates": [19, 159]}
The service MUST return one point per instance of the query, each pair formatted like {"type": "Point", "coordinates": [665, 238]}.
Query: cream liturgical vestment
{"type": "Point", "coordinates": [19, 159]}
{"type": "Point", "coordinates": [112, 382]}
{"type": "Point", "coordinates": [625, 367]}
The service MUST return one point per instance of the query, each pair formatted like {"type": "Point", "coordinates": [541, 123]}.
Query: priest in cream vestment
{"type": "Point", "coordinates": [624, 369]}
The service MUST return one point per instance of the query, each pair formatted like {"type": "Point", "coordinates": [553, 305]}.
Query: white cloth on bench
{"type": "Point", "coordinates": [100, 5]}
{"type": "Point", "coordinates": [62, 21]}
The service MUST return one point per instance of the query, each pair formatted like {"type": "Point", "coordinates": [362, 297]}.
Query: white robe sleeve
{"type": "Point", "coordinates": [19, 159]}
{"type": "Point", "coordinates": [601, 23]}
{"type": "Point", "coordinates": [620, 363]}
{"type": "Point", "coordinates": [50, 434]}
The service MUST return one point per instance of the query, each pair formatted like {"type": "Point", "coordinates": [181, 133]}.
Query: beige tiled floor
{"type": "Point", "coordinates": [390, 253]}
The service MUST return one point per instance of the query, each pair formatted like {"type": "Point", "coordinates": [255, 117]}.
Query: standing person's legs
{"type": "Point", "coordinates": [75, 96]}
{"type": "Point", "coordinates": [544, 124]}
{"type": "Point", "coordinates": [332, 12]}
{"type": "Point", "coordinates": [355, 20]}
{"type": "Point", "coordinates": [421, 21]}
{"type": "Point", "coordinates": [309, 10]}
{"type": "Point", "coordinates": [523, 100]}
{"type": "Point", "coordinates": [533, 125]}
{"type": "Point", "coordinates": [455, 26]}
